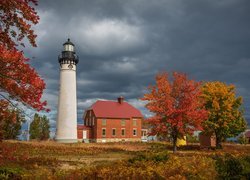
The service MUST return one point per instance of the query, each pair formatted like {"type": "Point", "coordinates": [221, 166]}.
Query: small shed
{"type": "Point", "coordinates": [207, 140]}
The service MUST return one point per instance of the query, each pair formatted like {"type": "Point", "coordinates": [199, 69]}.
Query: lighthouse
{"type": "Point", "coordinates": [67, 103]}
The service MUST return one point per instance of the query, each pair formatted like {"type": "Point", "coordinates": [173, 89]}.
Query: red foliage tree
{"type": "Point", "coordinates": [19, 82]}
{"type": "Point", "coordinates": [16, 18]}
{"type": "Point", "coordinates": [177, 106]}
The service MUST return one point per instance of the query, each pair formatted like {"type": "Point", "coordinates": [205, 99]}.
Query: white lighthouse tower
{"type": "Point", "coordinates": [67, 104]}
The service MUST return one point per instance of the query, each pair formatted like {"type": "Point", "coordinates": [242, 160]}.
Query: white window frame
{"type": "Point", "coordinates": [134, 122]}
{"type": "Point", "coordinates": [113, 131]}
{"type": "Point", "coordinates": [124, 132]}
{"type": "Point", "coordinates": [123, 120]}
{"type": "Point", "coordinates": [104, 120]}
{"type": "Point", "coordinates": [135, 130]}
{"type": "Point", "coordinates": [105, 132]}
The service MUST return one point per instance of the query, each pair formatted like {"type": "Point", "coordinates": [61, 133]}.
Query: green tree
{"type": "Point", "coordinates": [225, 113]}
{"type": "Point", "coordinates": [12, 124]}
{"type": "Point", "coordinates": [242, 139]}
{"type": "Point", "coordinates": [39, 128]}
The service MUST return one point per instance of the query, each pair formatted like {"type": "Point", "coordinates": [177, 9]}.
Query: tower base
{"type": "Point", "coordinates": [67, 140]}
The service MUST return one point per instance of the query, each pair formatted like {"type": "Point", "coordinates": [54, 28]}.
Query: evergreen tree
{"type": "Point", "coordinates": [39, 128]}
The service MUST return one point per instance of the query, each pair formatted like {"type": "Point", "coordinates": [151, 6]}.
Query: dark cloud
{"type": "Point", "coordinates": [123, 44]}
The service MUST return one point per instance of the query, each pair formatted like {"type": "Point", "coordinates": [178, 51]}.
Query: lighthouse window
{"type": "Point", "coordinates": [104, 122]}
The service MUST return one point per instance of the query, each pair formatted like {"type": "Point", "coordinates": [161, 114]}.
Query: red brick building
{"type": "Point", "coordinates": [111, 121]}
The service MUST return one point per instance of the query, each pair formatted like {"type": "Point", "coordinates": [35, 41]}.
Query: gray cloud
{"type": "Point", "coordinates": [123, 44]}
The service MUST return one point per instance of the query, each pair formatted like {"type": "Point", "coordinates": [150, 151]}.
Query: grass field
{"type": "Point", "coordinates": [49, 160]}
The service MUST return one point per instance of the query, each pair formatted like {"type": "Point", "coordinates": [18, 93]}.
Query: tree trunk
{"type": "Point", "coordinates": [218, 142]}
{"type": "Point", "coordinates": [174, 144]}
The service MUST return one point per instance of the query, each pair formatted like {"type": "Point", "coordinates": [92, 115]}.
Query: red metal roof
{"type": "Point", "coordinates": [114, 109]}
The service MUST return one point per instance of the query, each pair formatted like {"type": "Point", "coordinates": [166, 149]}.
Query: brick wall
{"type": "Point", "coordinates": [116, 124]}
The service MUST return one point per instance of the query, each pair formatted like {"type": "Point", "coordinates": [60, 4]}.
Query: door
{"type": "Point", "coordinates": [84, 134]}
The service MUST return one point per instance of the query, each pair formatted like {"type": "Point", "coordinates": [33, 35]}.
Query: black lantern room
{"type": "Point", "coordinates": [68, 55]}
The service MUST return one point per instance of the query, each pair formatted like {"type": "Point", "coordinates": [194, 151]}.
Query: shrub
{"type": "Point", "coordinates": [10, 173]}
{"type": "Point", "coordinates": [230, 167]}
{"type": "Point", "coordinates": [192, 139]}
{"type": "Point", "coordinates": [242, 139]}
{"type": "Point", "coordinates": [150, 156]}
{"type": "Point", "coordinates": [246, 166]}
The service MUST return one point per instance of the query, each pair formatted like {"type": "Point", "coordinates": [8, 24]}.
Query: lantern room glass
{"type": "Point", "coordinates": [68, 47]}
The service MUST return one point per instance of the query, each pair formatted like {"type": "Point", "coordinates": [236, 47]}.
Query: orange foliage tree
{"type": "Point", "coordinates": [19, 82]}
{"type": "Point", "coordinates": [177, 106]}
{"type": "Point", "coordinates": [225, 112]}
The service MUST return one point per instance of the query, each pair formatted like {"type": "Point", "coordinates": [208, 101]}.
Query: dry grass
{"type": "Point", "coordinates": [59, 160]}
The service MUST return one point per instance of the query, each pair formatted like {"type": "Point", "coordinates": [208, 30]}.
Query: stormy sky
{"type": "Point", "coordinates": [123, 44]}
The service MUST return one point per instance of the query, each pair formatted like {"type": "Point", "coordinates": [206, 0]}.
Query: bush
{"type": "Point", "coordinates": [242, 139]}
{"type": "Point", "coordinates": [192, 139]}
{"type": "Point", "coordinates": [150, 156]}
{"type": "Point", "coordinates": [246, 166]}
{"type": "Point", "coordinates": [230, 167]}
{"type": "Point", "coordinates": [10, 173]}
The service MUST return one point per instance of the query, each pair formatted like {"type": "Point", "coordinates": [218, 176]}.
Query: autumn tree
{"type": "Point", "coordinates": [225, 113]}
{"type": "Point", "coordinates": [16, 20]}
{"type": "Point", "coordinates": [177, 107]}
{"type": "Point", "coordinates": [19, 82]}
{"type": "Point", "coordinates": [39, 128]}
{"type": "Point", "coordinates": [12, 124]}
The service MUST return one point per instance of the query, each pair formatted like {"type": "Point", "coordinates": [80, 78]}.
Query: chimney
{"type": "Point", "coordinates": [120, 99]}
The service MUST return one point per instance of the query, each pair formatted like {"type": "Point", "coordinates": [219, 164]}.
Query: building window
{"type": "Point", "coordinates": [113, 132]}
{"type": "Point", "coordinates": [134, 132]}
{"type": "Point", "coordinates": [123, 132]}
{"type": "Point", "coordinates": [104, 122]}
{"type": "Point", "coordinates": [123, 122]}
{"type": "Point", "coordinates": [103, 132]}
{"type": "Point", "coordinates": [93, 120]}
{"type": "Point", "coordinates": [134, 122]}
